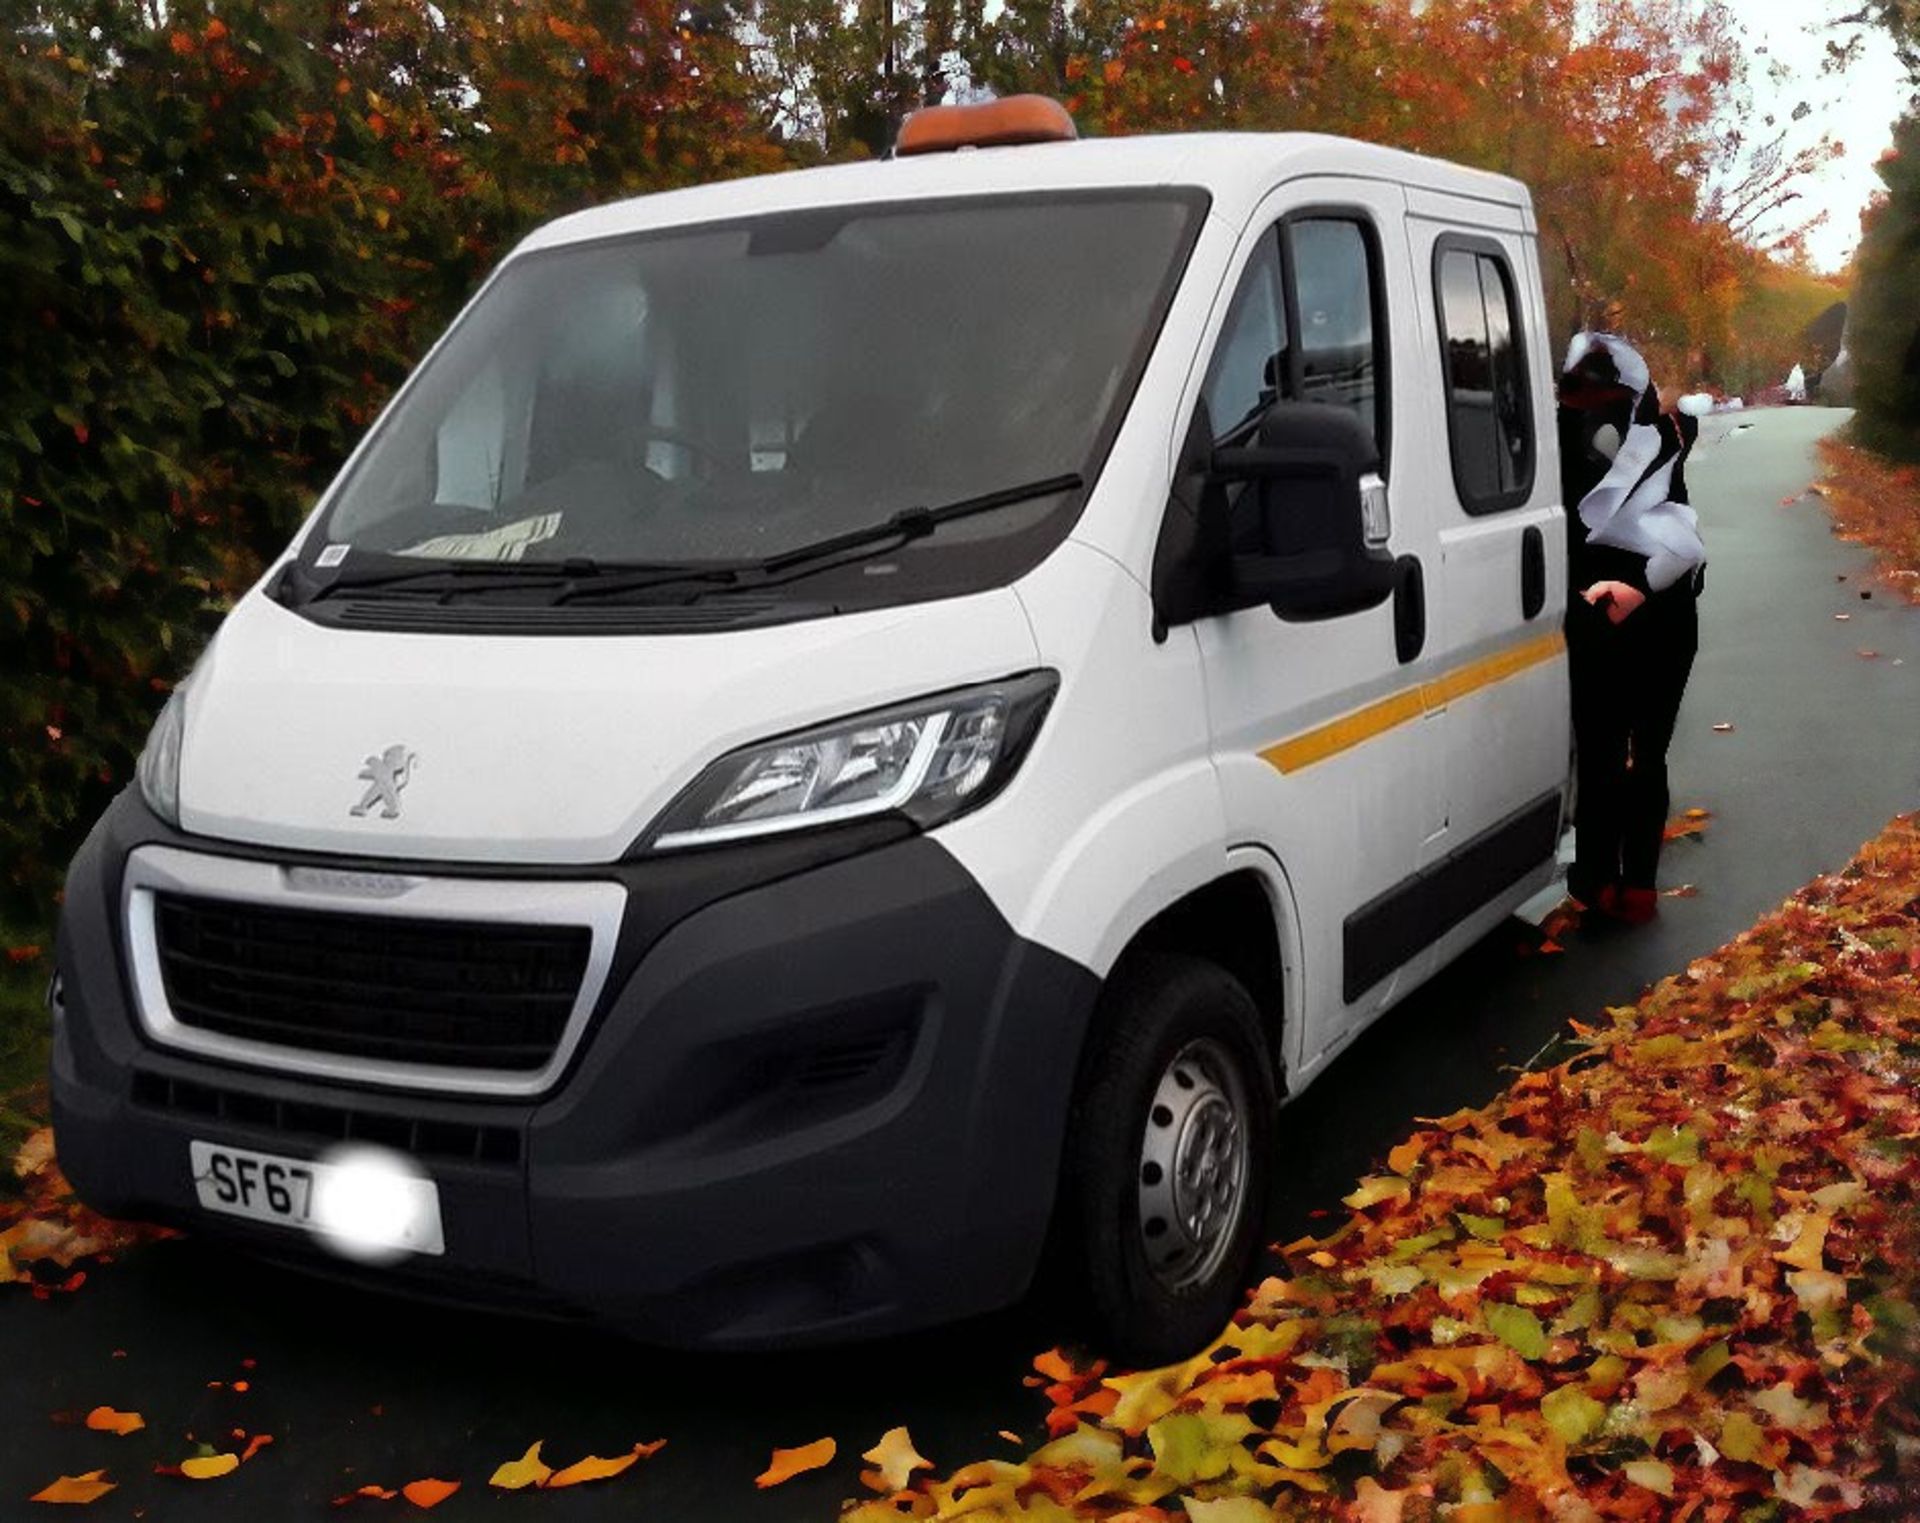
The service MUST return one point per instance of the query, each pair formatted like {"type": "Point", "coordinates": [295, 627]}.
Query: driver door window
{"type": "Point", "coordinates": [1317, 277]}
{"type": "Point", "coordinates": [1249, 365]}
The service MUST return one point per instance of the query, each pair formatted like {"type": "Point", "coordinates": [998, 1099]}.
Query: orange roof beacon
{"type": "Point", "coordinates": [990, 124]}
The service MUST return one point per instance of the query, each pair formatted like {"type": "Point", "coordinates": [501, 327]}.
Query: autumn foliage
{"type": "Point", "coordinates": [224, 236]}
{"type": "Point", "coordinates": [1875, 502]}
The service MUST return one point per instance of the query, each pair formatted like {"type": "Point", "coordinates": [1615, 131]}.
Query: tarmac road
{"type": "Point", "coordinates": [356, 1388]}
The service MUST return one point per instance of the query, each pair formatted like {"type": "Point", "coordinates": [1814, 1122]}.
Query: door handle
{"type": "Point", "coordinates": [1409, 608]}
{"type": "Point", "coordinates": [1533, 572]}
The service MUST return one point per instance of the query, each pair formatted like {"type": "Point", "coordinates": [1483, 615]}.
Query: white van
{"type": "Point", "coordinates": [849, 727]}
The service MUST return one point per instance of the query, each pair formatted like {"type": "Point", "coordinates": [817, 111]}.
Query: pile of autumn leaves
{"type": "Point", "coordinates": [1875, 502]}
{"type": "Point", "coordinates": [47, 1237]}
{"type": "Point", "coordinates": [1667, 1279]}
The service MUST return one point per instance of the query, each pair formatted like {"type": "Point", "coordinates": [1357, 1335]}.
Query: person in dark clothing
{"type": "Point", "coordinates": [1636, 566]}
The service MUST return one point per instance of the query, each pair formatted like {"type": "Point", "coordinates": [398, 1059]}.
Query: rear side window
{"type": "Point", "coordinates": [1489, 414]}
{"type": "Point", "coordinates": [1304, 326]}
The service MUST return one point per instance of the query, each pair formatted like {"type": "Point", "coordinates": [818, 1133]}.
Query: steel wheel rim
{"type": "Point", "coordinates": [1192, 1172]}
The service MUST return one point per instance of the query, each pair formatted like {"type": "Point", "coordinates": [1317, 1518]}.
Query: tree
{"type": "Point", "coordinates": [1884, 327]}
{"type": "Point", "coordinates": [225, 233]}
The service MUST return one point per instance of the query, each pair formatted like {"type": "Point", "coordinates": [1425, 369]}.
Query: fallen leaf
{"type": "Point", "coordinates": [1682, 891]}
{"type": "Point", "coordinates": [1516, 1327]}
{"type": "Point", "coordinates": [1790, 1411]}
{"type": "Point", "coordinates": [1867, 655]}
{"type": "Point", "coordinates": [528, 1470]}
{"type": "Point", "coordinates": [371, 1493]}
{"type": "Point", "coordinates": [1692, 822]}
{"type": "Point", "coordinates": [593, 1468]}
{"type": "Point", "coordinates": [36, 1152]}
{"type": "Point", "coordinates": [1373, 1503]}
{"type": "Point", "coordinates": [1801, 1487]}
{"type": "Point", "coordinates": [428, 1492]}
{"type": "Point", "coordinates": [1380, 1187]}
{"type": "Point", "coordinates": [209, 1467]}
{"type": "Point", "coordinates": [107, 1420]}
{"type": "Point", "coordinates": [76, 1490]}
{"type": "Point", "coordinates": [1655, 1475]}
{"type": "Point", "coordinates": [787, 1463]}
{"type": "Point", "coordinates": [1572, 1414]}
{"type": "Point", "coordinates": [1228, 1510]}
{"type": "Point", "coordinates": [895, 1459]}
{"type": "Point", "coordinates": [1723, 729]}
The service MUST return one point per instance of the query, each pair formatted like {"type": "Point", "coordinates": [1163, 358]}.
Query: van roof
{"type": "Point", "coordinates": [1235, 168]}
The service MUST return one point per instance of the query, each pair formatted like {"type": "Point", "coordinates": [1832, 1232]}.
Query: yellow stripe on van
{"type": "Point", "coordinates": [1349, 730]}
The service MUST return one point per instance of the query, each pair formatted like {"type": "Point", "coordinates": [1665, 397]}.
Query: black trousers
{"type": "Point", "coordinates": [1628, 680]}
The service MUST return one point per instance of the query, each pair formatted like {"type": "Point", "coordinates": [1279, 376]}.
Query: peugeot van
{"type": "Point", "coordinates": [849, 732]}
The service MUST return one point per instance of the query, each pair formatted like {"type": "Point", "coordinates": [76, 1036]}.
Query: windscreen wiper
{"type": "Point", "coordinates": [435, 578]}
{"type": "Point", "coordinates": [891, 533]}
{"type": "Point", "coordinates": [447, 580]}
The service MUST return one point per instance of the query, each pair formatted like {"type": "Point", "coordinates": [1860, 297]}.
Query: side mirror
{"type": "Point", "coordinates": [1309, 533]}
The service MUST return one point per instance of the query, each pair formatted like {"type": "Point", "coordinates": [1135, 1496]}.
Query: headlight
{"type": "Point", "coordinates": [158, 769]}
{"type": "Point", "coordinates": [928, 761]}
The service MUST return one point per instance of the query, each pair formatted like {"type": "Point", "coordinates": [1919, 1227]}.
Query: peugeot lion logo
{"type": "Point", "coordinates": [385, 775]}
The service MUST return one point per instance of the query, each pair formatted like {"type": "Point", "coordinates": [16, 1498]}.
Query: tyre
{"type": "Point", "coordinates": [1168, 1159]}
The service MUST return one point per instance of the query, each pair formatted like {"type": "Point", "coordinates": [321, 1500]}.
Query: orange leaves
{"type": "Point", "coordinates": [787, 1463]}
{"type": "Point", "coordinates": [428, 1493]}
{"type": "Point", "coordinates": [45, 1232]}
{"type": "Point", "coordinates": [75, 1490]}
{"type": "Point", "coordinates": [212, 1465]}
{"type": "Point", "coordinates": [368, 1493]}
{"type": "Point", "coordinates": [894, 1460]}
{"type": "Point", "coordinates": [1872, 501]}
{"type": "Point", "coordinates": [530, 1470]}
{"type": "Point", "coordinates": [1691, 823]}
{"type": "Point", "coordinates": [593, 1468]}
{"type": "Point", "coordinates": [107, 1420]}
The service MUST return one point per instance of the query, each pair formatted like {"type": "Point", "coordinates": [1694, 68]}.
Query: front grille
{"type": "Point", "coordinates": [309, 1123]}
{"type": "Point", "coordinates": [460, 993]}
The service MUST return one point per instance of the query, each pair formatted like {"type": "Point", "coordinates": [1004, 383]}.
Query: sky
{"type": "Point", "coordinates": [1856, 108]}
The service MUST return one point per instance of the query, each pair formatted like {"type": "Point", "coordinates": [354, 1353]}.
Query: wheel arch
{"type": "Point", "coordinates": [1242, 921]}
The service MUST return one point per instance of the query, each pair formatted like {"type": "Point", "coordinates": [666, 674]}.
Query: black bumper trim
{"type": "Point", "coordinates": [826, 1105]}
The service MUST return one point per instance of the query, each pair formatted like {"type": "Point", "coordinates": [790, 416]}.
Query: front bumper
{"type": "Point", "coordinates": [820, 1098]}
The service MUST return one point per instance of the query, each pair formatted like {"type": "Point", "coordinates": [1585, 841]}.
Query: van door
{"type": "Point", "coordinates": [1326, 755]}
{"type": "Point", "coordinates": [1502, 542]}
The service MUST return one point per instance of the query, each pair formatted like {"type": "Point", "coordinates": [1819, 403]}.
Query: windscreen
{"type": "Point", "coordinates": [731, 392]}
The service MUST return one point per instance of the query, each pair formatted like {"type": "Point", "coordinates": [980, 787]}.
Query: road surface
{"type": "Point", "coordinates": [356, 1389]}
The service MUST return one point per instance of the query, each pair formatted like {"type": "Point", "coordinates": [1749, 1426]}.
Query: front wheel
{"type": "Point", "coordinates": [1169, 1158]}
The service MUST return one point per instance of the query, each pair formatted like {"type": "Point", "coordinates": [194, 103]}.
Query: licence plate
{"type": "Point", "coordinates": [266, 1187]}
